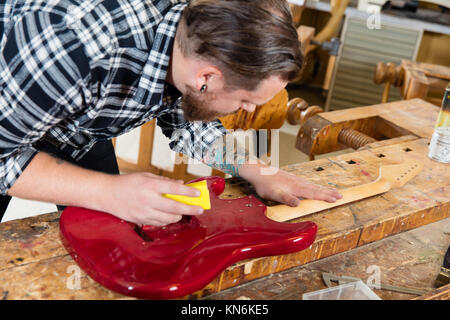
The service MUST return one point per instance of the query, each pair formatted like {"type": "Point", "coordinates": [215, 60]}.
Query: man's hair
{"type": "Point", "coordinates": [249, 40]}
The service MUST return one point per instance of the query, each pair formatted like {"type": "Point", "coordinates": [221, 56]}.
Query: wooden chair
{"type": "Point", "coordinates": [416, 80]}
{"type": "Point", "coordinates": [268, 116]}
{"type": "Point", "coordinates": [144, 160]}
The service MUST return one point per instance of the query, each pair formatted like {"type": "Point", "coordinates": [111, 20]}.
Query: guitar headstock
{"type": "Point", "coordinates": [399, 174]}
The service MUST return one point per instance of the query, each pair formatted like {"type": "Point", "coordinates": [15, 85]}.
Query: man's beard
{"type": "Point", "coordinates": [195, 106]}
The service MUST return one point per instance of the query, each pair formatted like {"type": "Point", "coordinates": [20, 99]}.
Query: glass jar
{"type": "Point", "coordinates": [439, 148]}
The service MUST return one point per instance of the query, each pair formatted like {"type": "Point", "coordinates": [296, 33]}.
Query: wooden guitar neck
{"type": "Point", "coordinates": [390, 176]}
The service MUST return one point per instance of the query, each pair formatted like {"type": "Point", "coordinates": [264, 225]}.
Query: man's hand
{"type": "Point", "coordinates": [270, 183]}
{"type": "Point", "coordinates": [135, 197]}
{"type": "Point", "coordinates": [138, 198]}
{"type": "Point", "coordinates": [286, 188]}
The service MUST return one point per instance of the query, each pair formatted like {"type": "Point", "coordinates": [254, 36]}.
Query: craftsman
{"type": "Point", "coordinates": [76, 73]}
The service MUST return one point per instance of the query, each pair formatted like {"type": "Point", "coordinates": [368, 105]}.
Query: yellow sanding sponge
{"type": "Point", "coordinates": [201, 201]}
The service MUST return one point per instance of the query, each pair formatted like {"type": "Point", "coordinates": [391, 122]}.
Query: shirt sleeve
{"type": "Point", "coordinates": [42, 68]}
{"type": "Point", "coordinates": [193, 139]}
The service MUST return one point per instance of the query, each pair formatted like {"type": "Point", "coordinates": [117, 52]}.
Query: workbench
{"type": "Point", "coordinates": [405, 232]}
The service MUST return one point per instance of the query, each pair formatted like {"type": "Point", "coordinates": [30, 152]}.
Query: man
{"type": "Point", "coordinates": [75, 73]}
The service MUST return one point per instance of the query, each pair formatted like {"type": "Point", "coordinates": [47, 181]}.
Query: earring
{"type": "Point", "coordinates": [203, 88]}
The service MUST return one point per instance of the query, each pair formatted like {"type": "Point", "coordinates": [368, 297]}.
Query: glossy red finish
{"type": "Point", "coordinates": [176, 260]}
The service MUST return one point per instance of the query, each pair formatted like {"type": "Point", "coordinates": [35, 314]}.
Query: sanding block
{"type": "Point", "coordinates": [201, 201]}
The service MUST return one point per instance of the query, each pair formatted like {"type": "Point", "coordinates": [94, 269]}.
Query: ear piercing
{"type": "Point", "coordinates": [203, 88]}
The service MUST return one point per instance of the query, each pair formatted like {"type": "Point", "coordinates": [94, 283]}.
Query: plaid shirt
{"type": "Point", "coordinates": [73, 72]}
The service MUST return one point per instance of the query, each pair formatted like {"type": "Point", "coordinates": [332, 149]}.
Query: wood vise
{"type": "Point", "coordinates": [360, 128]}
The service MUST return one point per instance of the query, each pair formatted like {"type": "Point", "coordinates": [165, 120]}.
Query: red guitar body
{"type": "Point", "coordinates": [183, 257]}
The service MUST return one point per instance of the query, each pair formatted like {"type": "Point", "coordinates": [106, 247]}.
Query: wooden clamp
{"type": "Point", "coordinates": [389, 74]}
{"type": "Point", "coordinates": [299, 112]}
{"type": "Point", "coordinates": [353, 138]}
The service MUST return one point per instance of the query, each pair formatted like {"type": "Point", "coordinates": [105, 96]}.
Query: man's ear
{"type": "Point", "coordinates": [210, 76]}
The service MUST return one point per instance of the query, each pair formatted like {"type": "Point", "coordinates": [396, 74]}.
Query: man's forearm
{"type": "Point", "coordinates": [134, 197]}
{"type": "Point", "coordinates": [49, 179]}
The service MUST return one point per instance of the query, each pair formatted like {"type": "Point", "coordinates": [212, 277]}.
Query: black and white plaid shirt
{"type": "Point", "coordinates": [74, 72]}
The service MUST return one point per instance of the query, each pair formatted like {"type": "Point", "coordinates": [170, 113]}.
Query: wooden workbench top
{"type": "Point", "coordinates": [34, 264]}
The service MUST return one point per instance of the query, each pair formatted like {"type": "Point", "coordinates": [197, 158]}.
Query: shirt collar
{"type": "Point", "coordinates": [150, 89]}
